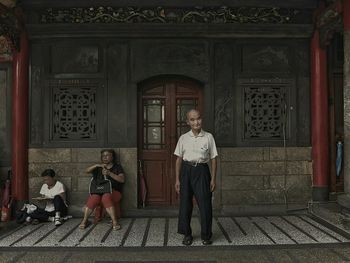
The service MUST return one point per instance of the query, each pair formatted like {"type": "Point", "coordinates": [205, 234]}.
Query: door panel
{"type": "Point", "coordinates": [336, 109]}
{"type": "Point", "coordinates": [336, 129]}
{"type": "Point", "coordinates": [156, 184]}
{"type": "Point", "coordinates": [162, 119]}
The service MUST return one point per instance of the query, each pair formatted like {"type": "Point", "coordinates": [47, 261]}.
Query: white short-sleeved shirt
{"type": "Point", "coordinates": [200, 148]}
{"type": "Point", "coordinates": [57, 189]}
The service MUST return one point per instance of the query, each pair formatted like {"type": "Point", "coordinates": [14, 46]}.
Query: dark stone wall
{"type": "Point", "coordinates": [112, 69]}
{"type": "Point", "coordinates": [243, 64]}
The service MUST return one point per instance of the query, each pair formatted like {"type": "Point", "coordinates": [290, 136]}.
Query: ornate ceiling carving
{"type": "Point", "coordinates": [192, 15]}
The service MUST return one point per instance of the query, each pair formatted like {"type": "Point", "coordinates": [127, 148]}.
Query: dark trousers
{"type": "Point", "coordinates": [195, 180]}
{"type": "Point", "coordinates": [43, 215]}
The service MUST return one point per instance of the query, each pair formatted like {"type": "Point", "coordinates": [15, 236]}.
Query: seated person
{"type": "Point", "coordinates": [113, 172]}
{"type": "Point", "coordinates": [53, 193]}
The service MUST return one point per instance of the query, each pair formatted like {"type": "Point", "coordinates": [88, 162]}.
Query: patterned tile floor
{"type": "Point", "coordinates": [161, 232]}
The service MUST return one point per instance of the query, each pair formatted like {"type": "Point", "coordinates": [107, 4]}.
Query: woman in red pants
{"type": "Point", "coordinates": [115, 173]}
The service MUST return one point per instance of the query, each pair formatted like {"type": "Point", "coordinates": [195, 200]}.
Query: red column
{"type": "Point", "coordinates": [346, 14]}
{"type": "Point", "coordinates": [319, 119]}
{"type": "Point", "coordinates": [20, 121]}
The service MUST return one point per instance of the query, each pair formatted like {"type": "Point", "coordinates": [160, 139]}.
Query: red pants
{"type": "Point", "coordinates": [95, 200]}
{"type": "Point", "coordinates": [95, 204]}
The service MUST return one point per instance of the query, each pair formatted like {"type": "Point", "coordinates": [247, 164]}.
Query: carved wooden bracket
{"type": "Point", "coordinates": [5, 49]}
{"type": "Point", "coordinates": [330, 21]}
{"type": "Point", "coordinates": [10, 26]}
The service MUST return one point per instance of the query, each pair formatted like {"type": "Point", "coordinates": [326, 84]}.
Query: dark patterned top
{"type": "Point", "coordinates": [116, 169]}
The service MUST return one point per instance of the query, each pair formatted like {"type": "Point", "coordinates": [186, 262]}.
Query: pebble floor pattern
{"type": "Point", "coordinates": [161, 232]}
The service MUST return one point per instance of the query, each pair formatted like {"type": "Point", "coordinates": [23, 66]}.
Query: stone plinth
{"type": "Point", "coordinates": [265, 176]}
{"type": "Point", "coordinates": [258, 176]}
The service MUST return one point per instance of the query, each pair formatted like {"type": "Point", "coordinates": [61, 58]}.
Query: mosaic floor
{"type": "Point", "coordinates": [161, 232]}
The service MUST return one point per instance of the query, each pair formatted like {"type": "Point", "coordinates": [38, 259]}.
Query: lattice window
{"type": "Point", "coordinates": [74, 113]}
{"type": "Point", "coordinates": [264, 111]}
{"type": "Point", "coordinates": [154, 124]}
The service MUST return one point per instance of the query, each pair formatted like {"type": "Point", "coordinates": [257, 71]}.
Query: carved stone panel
{"type": "Point", "coordinates": [302, 53]}
{"type": "Point", "coordinates": [265, 59]}
{"type": "Point", "coordinates": [119, 97]}
{"type": "Point", "coordinates": [39, 67]}
{"type": "Point", "coordinates": [224, 97]}
{"type": "Point", "coordinates": [152, 58]}
{"type": "Point", "coordinates": [75, 59]}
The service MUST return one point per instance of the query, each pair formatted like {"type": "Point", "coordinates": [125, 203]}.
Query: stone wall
{"type": "Point", "coordinates": [265, 177]}
{"type": "Point", "coordinates": [248, 180]}
{"type": "Point", "coordinates": [70, 165]}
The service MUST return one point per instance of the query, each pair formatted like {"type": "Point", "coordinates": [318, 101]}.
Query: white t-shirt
{"type": "Point", "coordinates": [200, 148]}
{"type": "Point", "coordinates": [57, 189]}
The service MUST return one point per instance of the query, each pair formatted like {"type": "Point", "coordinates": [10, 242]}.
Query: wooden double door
{"type": "Point", "coordinates": [162, 111]}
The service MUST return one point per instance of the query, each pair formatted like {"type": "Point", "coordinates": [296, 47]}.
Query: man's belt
{"type": "Point", "coordinates": [194, 164]}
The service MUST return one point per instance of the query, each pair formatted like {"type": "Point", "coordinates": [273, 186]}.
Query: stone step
{"type": "Point", "coordinates": [162, 232]}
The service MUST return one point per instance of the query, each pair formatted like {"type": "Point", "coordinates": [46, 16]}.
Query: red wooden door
{"type": "Point", "coordinates": [162, 119]}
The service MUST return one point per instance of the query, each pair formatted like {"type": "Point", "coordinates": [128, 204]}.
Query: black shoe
{"type": "Point", "coordinates": [207, 242]}
{"type": "Point", "coordinates": [187, 241]}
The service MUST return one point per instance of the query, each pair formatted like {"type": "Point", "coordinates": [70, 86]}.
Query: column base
{"type": "Point", "coordinates": [320, 193]}
{"type": "Point", "coordinates": [344, 200]}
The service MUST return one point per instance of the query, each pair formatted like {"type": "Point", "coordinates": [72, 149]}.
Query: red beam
{"type": "Point", "coordinates": [20, 121]}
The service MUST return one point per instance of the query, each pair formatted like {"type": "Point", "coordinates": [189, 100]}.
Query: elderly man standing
{"type": "Point", "coordinates": [194, 150]}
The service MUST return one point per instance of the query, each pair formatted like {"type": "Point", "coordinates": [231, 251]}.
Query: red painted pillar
{"type": "Point", "coordinates": [346, 14]}
{"type": "Point", "coordinates": [20, 121]}
{"type": "Point", "coordinates": [319, 120]}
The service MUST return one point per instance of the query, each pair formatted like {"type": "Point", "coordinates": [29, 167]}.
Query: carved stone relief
{"type": "Point", "coordinates": [221, 14]}
{"type": "Point", "coordinates": [266, 59]}
{"type": "Point", "coordinates": [223, 113]}
{"type": "Point", "coordinates": [155, 58]}
{"type": "Point", "coordinates": [224, 99]}
{"type": "Point", "coordinates": [84, 59]}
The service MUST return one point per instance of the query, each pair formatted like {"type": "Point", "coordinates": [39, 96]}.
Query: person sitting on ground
{"type": "Point", "coordinates": [53, 193]}
{"type": "Point", "coordinates": [113, 172]}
